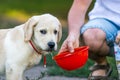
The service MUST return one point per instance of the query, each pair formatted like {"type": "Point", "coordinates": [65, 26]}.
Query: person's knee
{"type": "Point", "coordinates": [94, 38]}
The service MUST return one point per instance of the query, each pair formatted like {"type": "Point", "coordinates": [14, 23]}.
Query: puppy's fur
{"type": "Point", "coordinates": [16, 53]}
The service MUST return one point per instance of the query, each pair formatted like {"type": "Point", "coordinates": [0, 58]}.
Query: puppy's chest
{"type": "Point", "coordinates": [34, 59]}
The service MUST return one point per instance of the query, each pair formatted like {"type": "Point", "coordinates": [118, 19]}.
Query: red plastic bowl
{"type": "Point", "coordinates": [71, 61]}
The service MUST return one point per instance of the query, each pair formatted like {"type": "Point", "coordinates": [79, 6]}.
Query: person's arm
{"type": "Point", "coordinates": [76, 17]}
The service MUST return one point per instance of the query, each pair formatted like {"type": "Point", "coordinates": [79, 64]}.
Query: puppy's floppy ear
{"type": "Point", "coordinates": [28, 27]}
{"type": "Point", "coordinates": [59, 33]}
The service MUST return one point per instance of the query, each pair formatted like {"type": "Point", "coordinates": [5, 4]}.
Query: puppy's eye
{"type": "Point", "coordinates": [43, 31]}
{"type": "Point", "coordinates": [55, 31]}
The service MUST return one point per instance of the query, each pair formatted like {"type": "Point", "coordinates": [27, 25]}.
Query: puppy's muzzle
{"type": "Point", "coordinates": [51, 45]}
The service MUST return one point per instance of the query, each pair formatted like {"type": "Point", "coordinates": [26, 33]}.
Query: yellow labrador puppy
{"type": "Point", "coordinates": [23, 46]}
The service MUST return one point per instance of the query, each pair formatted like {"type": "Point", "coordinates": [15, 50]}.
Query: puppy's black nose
{"type": "Point", "coordinates": [51, 44]}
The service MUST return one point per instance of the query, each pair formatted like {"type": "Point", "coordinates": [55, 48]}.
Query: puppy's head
{"type": "Point", "coordinates": [45, 30]}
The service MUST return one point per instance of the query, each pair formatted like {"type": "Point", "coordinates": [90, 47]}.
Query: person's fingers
{"type": "Point", "coordinates": [117, 39]}
{"type": "Point", "coordinates": [62, 50]}
{"type": "Point", "coordinates": [70, 47]}
{"type": "Point", "coordinates": [63, 47]}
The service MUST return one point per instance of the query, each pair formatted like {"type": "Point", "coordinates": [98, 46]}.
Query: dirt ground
{"type": "Point", "coordinates": [35, 72]}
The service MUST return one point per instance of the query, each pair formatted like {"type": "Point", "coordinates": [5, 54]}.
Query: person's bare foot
{"type": "Point", "coordinates": [100, 71]}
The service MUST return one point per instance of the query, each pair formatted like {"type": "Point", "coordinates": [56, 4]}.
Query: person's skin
{"type": "Point", "coordinates": [76, 18]}
{"type": "Point", "coordinates": [94, 38]}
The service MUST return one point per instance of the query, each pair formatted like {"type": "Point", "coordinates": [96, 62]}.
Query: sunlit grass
{"type": "Point", "coordinates": [18, 15]}
{"type": "Point", "coordinates": [58, 8]}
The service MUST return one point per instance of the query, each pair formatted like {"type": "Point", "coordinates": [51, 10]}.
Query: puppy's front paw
{"type": "Point", "coordinates": [117, 40]}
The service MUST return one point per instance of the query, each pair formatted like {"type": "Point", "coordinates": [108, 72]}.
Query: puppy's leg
{"type": "Point", "coordinates": [14, 72]}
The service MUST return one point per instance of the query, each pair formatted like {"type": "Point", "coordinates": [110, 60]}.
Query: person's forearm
{"type": "Point", "coordinates": [77, 14]}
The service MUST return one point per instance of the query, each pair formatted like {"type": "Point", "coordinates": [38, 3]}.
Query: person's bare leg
{"type": "Point", "coordinates": [95, 39]}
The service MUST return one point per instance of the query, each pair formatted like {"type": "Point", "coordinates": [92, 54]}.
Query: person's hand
{"type": "Point", "coordinates": [117, 40]}
{"type": "Point", "coordinates": [71, 42]}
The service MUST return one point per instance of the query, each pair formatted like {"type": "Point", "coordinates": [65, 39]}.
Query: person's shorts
{"type": "Point", "coordinates": [107, 26]}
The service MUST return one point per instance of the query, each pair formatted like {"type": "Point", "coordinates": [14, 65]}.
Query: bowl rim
{"type": "Point", "coordinates": [66, 53]}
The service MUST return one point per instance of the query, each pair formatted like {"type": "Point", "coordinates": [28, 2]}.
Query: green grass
{"type": "Point", "coordinates": [54, 69]}
{"type": "Point", "coordinates": [56, 7]}
{"type": "Point", "coordinates": [82, 72]}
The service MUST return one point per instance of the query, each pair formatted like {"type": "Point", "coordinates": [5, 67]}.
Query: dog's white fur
{"type": "Point", "coordinates": [16, 53]}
